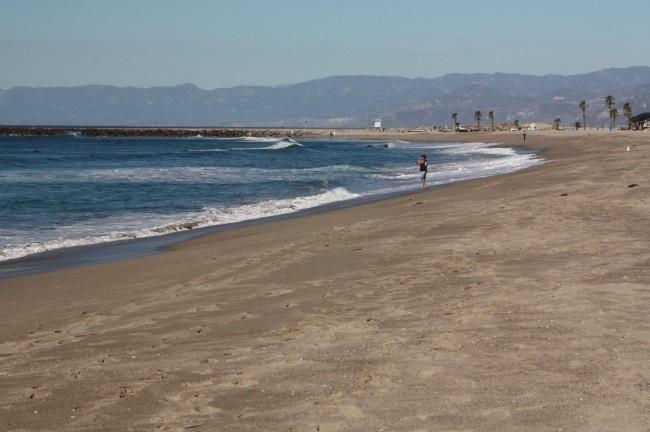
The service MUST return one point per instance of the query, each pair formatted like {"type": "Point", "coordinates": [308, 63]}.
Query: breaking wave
{"type": "Point", "coordinates": [148, 225]}
{"type": "Point", "coordinates": [278, 144]}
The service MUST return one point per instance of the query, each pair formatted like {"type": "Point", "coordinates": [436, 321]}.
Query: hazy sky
{"type": "Point", "coordinates": [226, 43]}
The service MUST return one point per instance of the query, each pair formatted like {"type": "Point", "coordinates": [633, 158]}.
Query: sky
{"type": "Point", "coordinates": [217, 43]}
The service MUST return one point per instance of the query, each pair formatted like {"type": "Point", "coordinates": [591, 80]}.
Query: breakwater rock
{"type": "Point", "coordinates": [152, 132]}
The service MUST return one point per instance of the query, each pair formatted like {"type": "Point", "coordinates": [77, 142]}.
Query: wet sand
{"type": "Point", "coordinates": [510, 303]}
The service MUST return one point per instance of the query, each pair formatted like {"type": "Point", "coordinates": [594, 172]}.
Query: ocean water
{"type": "Point", "coordinates": [67, 191]}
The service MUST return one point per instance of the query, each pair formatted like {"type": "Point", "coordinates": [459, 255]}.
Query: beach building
{"type": "Point", "coordinates": [377, 124]}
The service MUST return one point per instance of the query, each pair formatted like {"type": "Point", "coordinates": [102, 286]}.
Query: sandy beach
{"type": "Point", "coordinates": [510, 303]}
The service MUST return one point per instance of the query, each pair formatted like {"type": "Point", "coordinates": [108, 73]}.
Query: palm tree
{"type": "Point", "coordinates": [517, 124]}
{"type": "Point", "coordinates": [610, 103]}
{"type": "Point", "coordinates": [613, 113]}
{"type": "Point", "coordinates": [627, 112]}
{"type": "Point", "coordinates": [577, 125]}
{"type": "Point", "coordinates": [454, 116]}
{"type": "Point", "coordinates": [583, 107]}
{"type": "Point", "coordinates": [556, 124]}
{"type": "Point", "coordinates": [491, 116]}
{"type": "Point", "coordinates": [477, 117]}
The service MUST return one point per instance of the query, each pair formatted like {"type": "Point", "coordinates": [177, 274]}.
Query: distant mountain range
{"type": "Point", "coordinates": [339, 101]}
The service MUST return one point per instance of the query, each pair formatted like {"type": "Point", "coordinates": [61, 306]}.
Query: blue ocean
{"type": "Point", "coordinates": [58, 192]}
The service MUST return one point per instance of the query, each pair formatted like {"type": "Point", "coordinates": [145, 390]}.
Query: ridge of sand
{"type": "Point", "coordinates": [517, 302]}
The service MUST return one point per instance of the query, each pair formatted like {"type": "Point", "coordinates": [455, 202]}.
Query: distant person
{"type": "Point", "coordinates": [524, 134]}
{"type": "Point", "coordinates": [423, 164]}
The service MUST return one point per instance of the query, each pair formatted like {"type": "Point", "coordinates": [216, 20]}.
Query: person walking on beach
{"type": "Point", "coordinates": [423, 164]}
{"type": "Point", "coordinates": [524, 134]}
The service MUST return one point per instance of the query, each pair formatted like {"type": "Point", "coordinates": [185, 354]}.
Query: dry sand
{"type": "Point", "coordinates": [513, 303]}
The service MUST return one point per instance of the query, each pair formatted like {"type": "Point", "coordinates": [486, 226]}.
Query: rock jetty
{"type": "Point", "coordinates": [152, 132]}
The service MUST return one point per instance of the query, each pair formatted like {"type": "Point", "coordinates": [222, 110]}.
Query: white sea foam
{"type": "Point", "coordinates": [147, 225]}
{"type": "Point", "coordinates": [506, 160]}
{"type": "Point", "coordinates": [477, 147]}
{"type": "Point", "coordinates": [260, 139]}
{"type": "Point", "coordinates": [213, 174]}
{"type": "Point", "coordinates": [278, 145]}
{"type": "Point", "coordinates": [396, 176]}
{"type": "Point", "coordinates": [283, 144]}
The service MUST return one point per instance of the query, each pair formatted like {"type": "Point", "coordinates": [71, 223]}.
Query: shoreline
{"type": "Point", "coordinates": [506, 303]}
{"type": "Point", "coordinates": [116, 250]}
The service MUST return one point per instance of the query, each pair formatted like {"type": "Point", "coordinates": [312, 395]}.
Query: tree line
{"type": "Point", "coordinates": [478, 115]}
{"type": "Point", "coordinates": [610, 103]}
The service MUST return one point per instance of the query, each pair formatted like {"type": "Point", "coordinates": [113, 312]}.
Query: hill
{"type": "Point", "coordinates": [339, 101]}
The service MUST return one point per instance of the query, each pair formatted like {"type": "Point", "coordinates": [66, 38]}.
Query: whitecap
{"type": "Point", "coordinates": [283, 143]}
{"type": "Point", "coordinates": [261, 139]}
{"type": "Point", "coordinates": [148, 225]}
